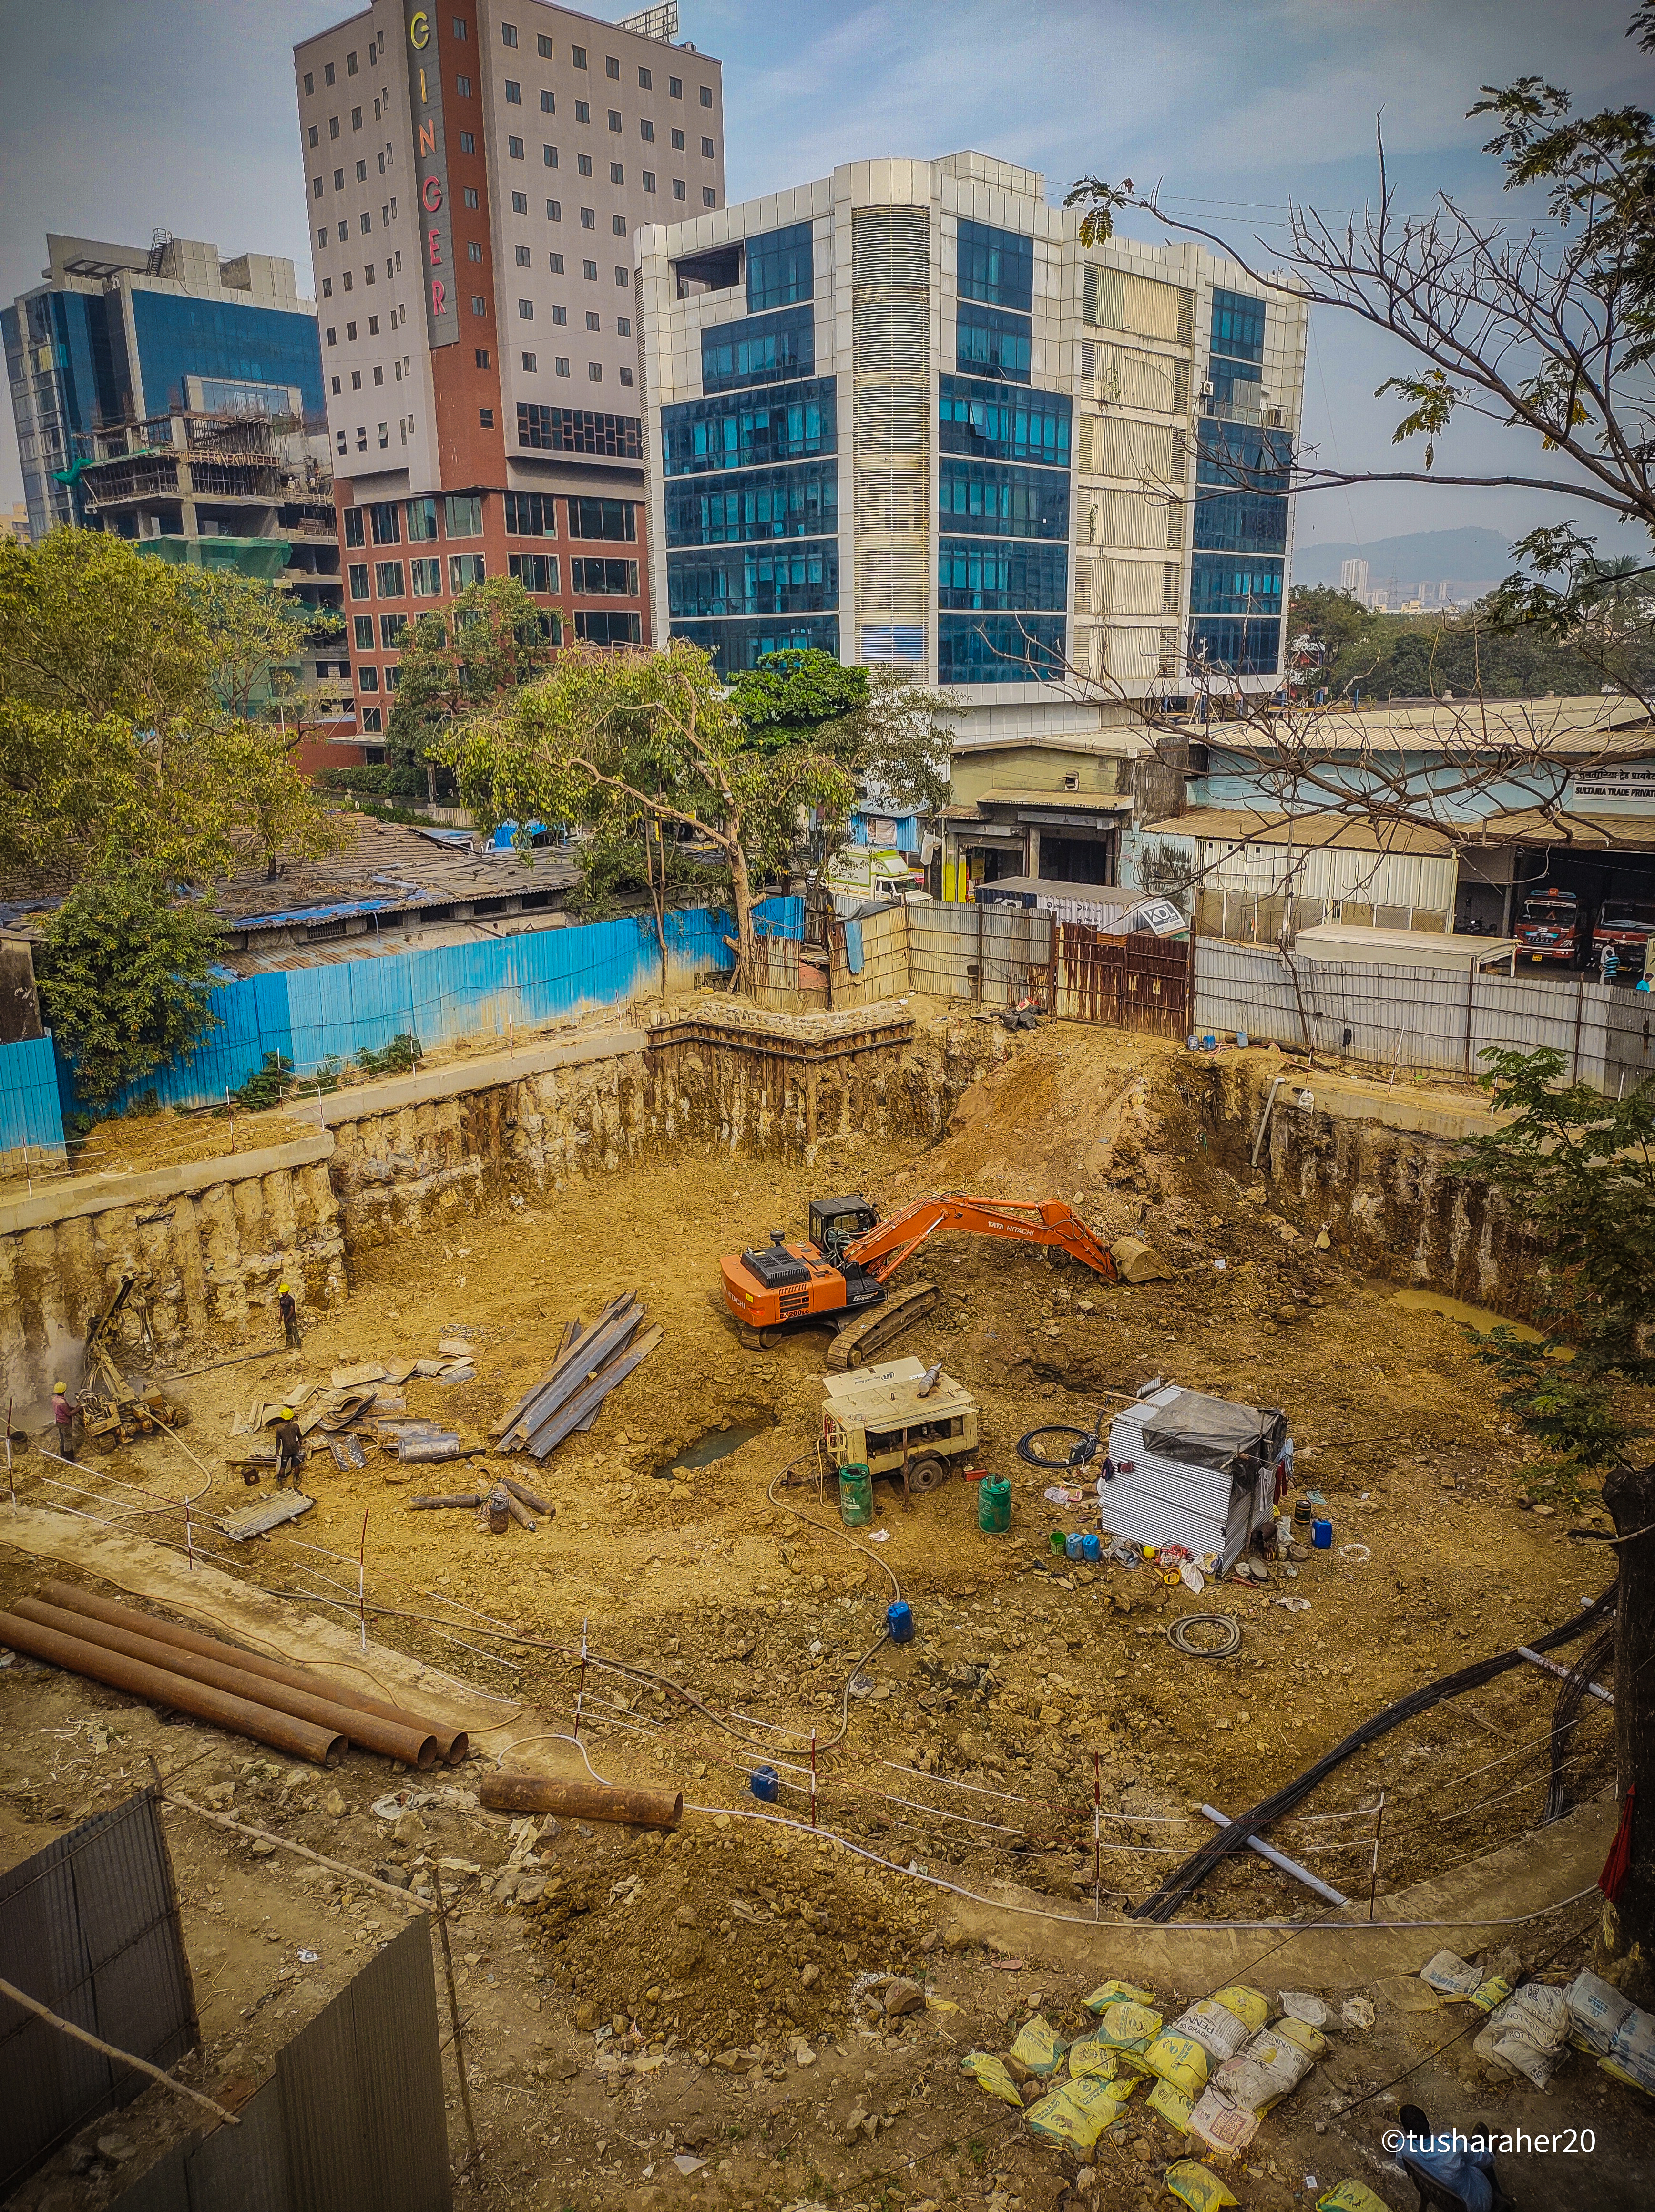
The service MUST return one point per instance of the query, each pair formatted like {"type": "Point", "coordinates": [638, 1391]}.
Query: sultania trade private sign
{"type": "Point", "coordinates": [430, 168]}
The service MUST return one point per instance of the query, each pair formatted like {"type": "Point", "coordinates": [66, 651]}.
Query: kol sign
{"type": "Point", "coordinates": [442, 318]}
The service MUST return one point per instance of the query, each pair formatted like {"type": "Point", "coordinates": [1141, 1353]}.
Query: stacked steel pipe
{"type": "Point", "coordinates": [290, 1707]}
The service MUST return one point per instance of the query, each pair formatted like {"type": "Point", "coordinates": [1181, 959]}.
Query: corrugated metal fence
{"type": "Point", "coordinates": [995, 955]}
{"type": "Point", "coordinates": [90, 1927]}
{"type": "Point", "coordinates": [31, 1113]}
{"type": "Point", "coordinates": [352, 2120]}
{"type": "Point", "coordinates": [1436, 1019]}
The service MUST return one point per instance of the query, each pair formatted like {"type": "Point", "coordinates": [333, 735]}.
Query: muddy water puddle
{"type": "Point", "coordinates": [1483, 1319]}
{"type": "Point", "coordinates": [714, 1444]}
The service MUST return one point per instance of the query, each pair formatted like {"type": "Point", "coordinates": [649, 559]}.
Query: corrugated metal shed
{"type": "Point", "coordinates": [1166, 1501]}
{"type": "Point", "coordinates": [1404, 948]}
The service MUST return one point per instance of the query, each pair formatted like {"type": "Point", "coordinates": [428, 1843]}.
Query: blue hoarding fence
{"type": "Point", "coordinates": [494, 987]}
{"type": "Point", "coordinates": [31, 1112]}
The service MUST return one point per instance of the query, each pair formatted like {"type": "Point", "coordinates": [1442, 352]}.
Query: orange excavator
{"type": "Point", "coordinates": [837, 1280]}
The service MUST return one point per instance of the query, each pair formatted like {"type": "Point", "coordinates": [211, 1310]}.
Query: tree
{"type": "Point", "coordinates": [91, 627]}
{"type": "Point", "coordinates": [271, 807]}
{"type": "Point", "coordinates": [254, 631]}
{"type": "Point", "coordinates": [797, 691]}
{"type": "Point", "coordinates": [124, 980]}
{"type": "Point", "coordinates": [612, 738]}
{"type": "Point", "coordinates": [486, 644]}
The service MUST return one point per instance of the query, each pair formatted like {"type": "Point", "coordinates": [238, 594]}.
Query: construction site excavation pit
{"type": "Point", "coordinates": [705, 2011]}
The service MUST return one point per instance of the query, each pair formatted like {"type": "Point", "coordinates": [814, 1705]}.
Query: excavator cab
{"type": "Point", "coordinates": [837, 1221]}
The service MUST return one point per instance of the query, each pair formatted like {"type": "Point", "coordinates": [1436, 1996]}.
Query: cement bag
{"type": "Point", "coordinates": [1222, 2125]}
{"type": "Point", "coordinates": [988, 2072]}
{"type": "Point", "coordinates": [1173, 2106]}
{"type": "Point", "coordinates": [1038, 2047]}
{"type": "Point", "coordinates": [1350, 2197]}
{"type": "Point", "coordinates": [1108, 1993]}
{"type": "Point", "coordinates": [1597, 2009]}
{"type": "Point", "coordinates": [1215, 2028]}
{"type": "Point", "coordinates": [1128, 2027]}
{"type": "Point", "coordinates": [1450, 1975]}
{"type": "Point", "coordinates": [1492, 1993]}
{"type": "Point", "coordinates": [1197, 2186]}
{"type": "Point", "coordinates": [1538, 2013]}
{"type": "Point", "coordinates": [1088, 2056]}
{"type": "Point", "coordinates": [1613, 2066]}
{"type": "Point", "coordinates": [1181, 2060]}
{"type": "Point", "coordinates": [1261, 2075]}
{"type": "Point", "coordinates": [1250, 2006]}
{"type": "Point", "coordinates": [1300, 2004]}
{"type": "Point", "coordinates": [1509, 2053]}
{"type": "Point", "coordinates": [1309, 2039]}
{"type": "Point", "coordinates": [1079, 2113]}
{"type": "Point", "coordinates": [1632, 2053]}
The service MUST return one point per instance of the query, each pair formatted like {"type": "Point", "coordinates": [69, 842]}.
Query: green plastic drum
{"type": "Point", "coordinates": [994, 1504]}
{"type": "Point", "coordinates": [856, 1495]}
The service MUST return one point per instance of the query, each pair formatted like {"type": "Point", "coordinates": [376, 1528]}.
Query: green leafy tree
{"type": "Point", "coordinates": [792, 694]}
{"type": "Point", "coordinates": [484, 647]}
{"type": "Point", "coordinates": [124, 977]}
{"type": "Point", "coordinates": [614, 739]}
{"type": "Point", "coordinates": [91, 627]}
{"type": "Point", "coordinates": [255, 631]}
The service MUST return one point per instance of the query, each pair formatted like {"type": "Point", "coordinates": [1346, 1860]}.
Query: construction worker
{"type": "Point", "coordinates": [289, 1450]}
{"type": "Point", "coordinates": [63, 1415]}
{"type": "Point", "coordinates": [290, 1313]}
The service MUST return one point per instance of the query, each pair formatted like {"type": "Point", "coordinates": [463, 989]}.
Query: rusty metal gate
{"type": "Point", "coordinates": [90, 1927]}
{"type": "Point", "coordinates": [1132, 982]}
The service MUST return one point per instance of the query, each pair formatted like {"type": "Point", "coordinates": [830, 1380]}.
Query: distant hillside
{"type": "Point", "coordinates": [1476, 557]}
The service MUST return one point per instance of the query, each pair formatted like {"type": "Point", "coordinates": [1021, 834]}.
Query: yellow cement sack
{"type": "Point", "coordinates": [1127, 2026]}
{"type": "Point", "coordinates": [1617, 2072]}
{"type": "Point", "coordinates": [1220, 2032]}
{"type": "Point", "coordinates": [1494, 1991]}
{"type": "Point", "coordinates": [1309, 2039]}
{"type": "Point", "coordinates": [1077, 2114]}
{"type": "Point", "coordinates": [1039, 2046]}
{"type": "Point", "coordinates": [988, 2072]}
{"type": "Point", "coordinates": [1350, 2197]}
{"type": "Point", "coordinates": [1088, 2056]}
{"type": "Point", "coordinates": [1181, 2060]}
{"type": "Point", "coordinates": [1250, 2006]}
{"type": "Point", "coordinates": [1108, 1993]}
{"type": "Point", "coordinates": [1173, 2106]}
{"type": "Point", "coordinates": [1196, 2185]}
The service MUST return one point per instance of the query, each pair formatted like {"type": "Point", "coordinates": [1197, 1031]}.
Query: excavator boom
{"type": "Point", "coordinates": [1046, 1222]}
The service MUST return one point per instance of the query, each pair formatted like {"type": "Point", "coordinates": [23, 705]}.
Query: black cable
{"type": "Point", "coordinates": [1566, 1715]}
{"type": "Point", "coordinates": [1183, 1881]}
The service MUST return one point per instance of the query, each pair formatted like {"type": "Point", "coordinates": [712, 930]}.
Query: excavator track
{"type": "Point", "coordinates": [857, 1341]}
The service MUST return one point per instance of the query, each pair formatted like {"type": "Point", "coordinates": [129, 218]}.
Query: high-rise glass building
{"type": "Point", "coordinates": [902, 414]}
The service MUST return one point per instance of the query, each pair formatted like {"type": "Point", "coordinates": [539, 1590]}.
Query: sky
{"type": "Point", "coordinates": [116, 119]}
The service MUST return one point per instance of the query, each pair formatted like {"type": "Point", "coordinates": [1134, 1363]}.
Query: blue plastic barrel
{"type": "Point", "coordinates": [1072, 1546]}
{"type": "Point", "coordinates": [899, 1621]}
{"type": "Point", "coordinates": [765, 1784]}
{"type": "Point", "coordinates": [1321, 1535]}
{"type": "Point", "coordinates": [1091, 1546]}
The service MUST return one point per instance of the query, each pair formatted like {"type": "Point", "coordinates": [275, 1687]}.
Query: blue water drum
{"type": "Point", "coordinates": [899, 1621]}
{"type": "Point", "coordinates": [1074, 1547]}
{"type": "Point", "coordinates": [1321, 1535]}
{"type": "Point", "coordinates": [1091, 1546]}
{"type": "Point", "coordinates": [765, 1784]}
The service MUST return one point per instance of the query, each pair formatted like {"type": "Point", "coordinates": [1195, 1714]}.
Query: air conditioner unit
{"type": "Point", "coordinates": [1207, 391]}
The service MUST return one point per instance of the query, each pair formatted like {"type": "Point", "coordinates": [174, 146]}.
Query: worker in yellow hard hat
{"type": "Point", "coordinates": [63, 1414]}
{"type": "Point", "coordinates": [290, 1313]}
{"type": "Point", "coordinates": [289, 1450]}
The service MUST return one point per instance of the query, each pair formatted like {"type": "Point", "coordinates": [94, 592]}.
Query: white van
{"type": "Point", "coordinates": [875, 872]}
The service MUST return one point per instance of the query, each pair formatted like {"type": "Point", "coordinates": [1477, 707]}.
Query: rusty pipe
{"type": "Point", "coordinates": [520, 1513]}
{"type": "Point", "coordinates": [431, 1504]}
{"type": "Point", "coordinates": [636, 1803]}
{"type": "Point", "coordinates": [388, 1739]}
{"type": "Point", "coordinates": [453, 1743]}
{"type": "Point", "coordinates": [300, 1739]}
{"type": "Point", "coordinates": [532, 1498]}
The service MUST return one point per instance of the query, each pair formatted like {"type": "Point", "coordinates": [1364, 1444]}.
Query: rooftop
{"type": "Point", "coordinates": [1241, 825]}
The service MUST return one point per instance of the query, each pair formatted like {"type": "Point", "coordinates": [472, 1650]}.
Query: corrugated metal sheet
{"type": "Point", "coordinates": [1162, 1501]}
{"type": "Point", "coordinates": [90, 1927]}
{"type": "Point", "coordinates": [31, 1113]}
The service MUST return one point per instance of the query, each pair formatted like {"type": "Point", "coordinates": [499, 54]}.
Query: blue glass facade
{"type": "Point", "coordinates": [178, 337]}
{"type": "Point", "coordinates": [774, 348]}
{"type": "Point", "coordinates": [1236, 457]}
{"type": "Point", "coordinates": [1241, 522]}
{"type": "Point", "coordinates": [742, 643]}
{"type": "Point", "coordinates": [758, 580]}
{"type": "Point", "coordinates": [1232, 583]}
{"type": "Point", "coordinates": [999, 649]}
{"type": "Point", "coordinates": [794, 423]}
{"type": "Point", "coordinates": [1236, 646]}
{"type": "Point", "coordinates": [992, 341]}
{"type": "Point", "coordinates": [1238, 325]}
{"type": "Point", "coordinates": [995, 499]}
{"type": "Point", "coordinates": [978, 574]}
{"type": "Point", "coordinates": [997, 266]}
{"type": "Point", "coordinates": [997, 422]}
{"type": "Point", "coordinates": [800, 501]}
{"type": "Point", "coordinates": [780, 269]}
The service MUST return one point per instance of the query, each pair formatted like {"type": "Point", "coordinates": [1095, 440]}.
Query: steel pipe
{"type": "Point", "coordinates": [300, 1739]}
{"type": "Point", "coordinates": [390, 1739]}
{"type": "Point", "coordinates": [635, 1803]}
{"type": "Point", "coordinates": [453, 1743]}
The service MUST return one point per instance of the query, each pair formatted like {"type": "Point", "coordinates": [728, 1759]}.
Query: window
{"type": "Point", "coordinates": [373, 326]}
{"type": "Point", "coordinates": [617, 173]}
{"type": "Point", "coordinates": [315, 135]}
{"type": "Point", "coordinates": [339, 436]}
{"type": "Point", "coordinates": [706, 148]}
{"type": "Point", "coordinates": [578, 56]}
{"type": "Point", "coordinates": [799, 501]}
{"type": "Point", "coordinates": [589, 270]}
{"type": "Point", "coordinates": [350, 332]}
{"type": "Point", "coordinates": [649, 181]}
{"type": "Point", "coordinates": [333, 334]}
{"type": "Point", "coordinates": [997, 267]}
{"type": "Point", "coordinates": [750, 430]}
{"type": "Point", "coordinates": [378, 374]}
{"type": "Point", "coordinates": [465, 568]}
{"type": "Point", "coordinates": [543, 47]}
{"type": "Point", "coordinates": [560, 314]}
{"type": "Point", "coordinates": [355, 118]}
{"type": "Point", "coordinates": [309, 84]}
{"type": "Point", "coordinates": [992, 498]}
{"type": "Point", "coordinates": [615, 118]}
{"type": "Point", "coordinates": [1001, 648]}
{"type": "Point", "coordinates": [354, 524]}
{"type": "Point", "coordinates": [468, 142]}
{"type": "Point", "coordinates": [1238, 325]}
{"type": "Point", "coordinates": [513, 93]}
{"type": "Point", "coordinates": [393, 678]}
{"type": "Point", "coordinates": [357, 569]}
{"type": "Point", "coordinates": [678, 188]}
{"type": "Point", "coordinates": [521, 253]}
{"type": "Point", "coordinates": [327, 72]}
{"type": "Point", "coordinates": [707, 95]}
{"type": "Point", "coordinates": [385, 434]}
{"type": "Point", "coordinates": [779, 268]}
{"type": "Point", "coordinates": [519, 204]}
{"type": "Point", "coordinates": [623, 326]}
{"type": "Point", "coordinates": [709, 197]}
{"type": "Point", "coordinates": [589, 218]}
{"type": "Point", "coordinates": [611, 519]}
{"type": "Point", "coordinates": [531, 514]}
{"type": "Point", "coordinates": [582, 112]}
{"type": "Point", "coordinates": [350, 64]}
{"type": "Point", "coordinates": [391, 631]}
{"type": "Point", "coordinates": [556, 260]}
{"type": "Point", "coordinates": [583, 163]}
{"type": "Point", "coordinates": [338, 181]}
{"type": "Point", "coordinates": [367, 679]}
{"type": "Point", "coordinates": [422, 521]}
{"type": "Point", "coordinates": [327, 282]}
{"type": "Point", "coordinates": [482, 356]}
{"type": "Point", "coordinates": [646, 131]}
{"type": "Point", "coordinates": [595, 371]}
{"type": "Point", "coordinates": [594, 322]}
{"type": "Point", "coordinates": [614, 580]}
{"type": "Point", "coordinates": [371, 719]}
{"type": "Point", "coordinates": [365, 224]}
{"type": "Point", "coordinates": [508, 35]}
{"type": "Point", "coordinates": [514, 148]}
{"type": "Point", "coordinates": [464, 515]}
{"type": "Point", "coordinates": [678, 142]}
{"type": "Point", "coordinates": [989, 342]}
{"type": "Point", "coordinates": [469, 195]}
{"type": "Point", "coordinates": [460, 31]}
{"type": "Point", "coordinates": [336, 385]}
{"type": "Point", "coordinates": [626, 376]}
{"type": "Point", "coordinates": [462, 86]}
{"type": "Point", "coordinates": [579, 430]}
{"type": "Point", "coordinates": [333, 126]}
{"type": "Point", "coordinates": [623, 277]}
{"type": "Point", "coordinates": [357, 379]}
{"type": "Point", "coordinates": [675, 88]}
{"type": "Point", "coordinates": [562, 364]}
{"type": "Point", "coordinates": [363, 627]}
{"type": "Point", "coordinates": [548, 107]}
{"type": "Point", "coordinates": [486, 419]}
{"type": "Point", "coordinates": [535, 572]}
{"type": "Point", "coordinates": [361, 438]}
{"type": "Point", "coordinates": [344, 232]}
{"type": "Point", "coordinates": [525, 310]}
{"type": "Point", "coordinates": [479, 305]}
{"type": "Point", "coordinates": [549, 155]}
{"type": "Point", "coordinates": [474, 250]}
{"type": "Point", "coordinates": [609, 628]}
